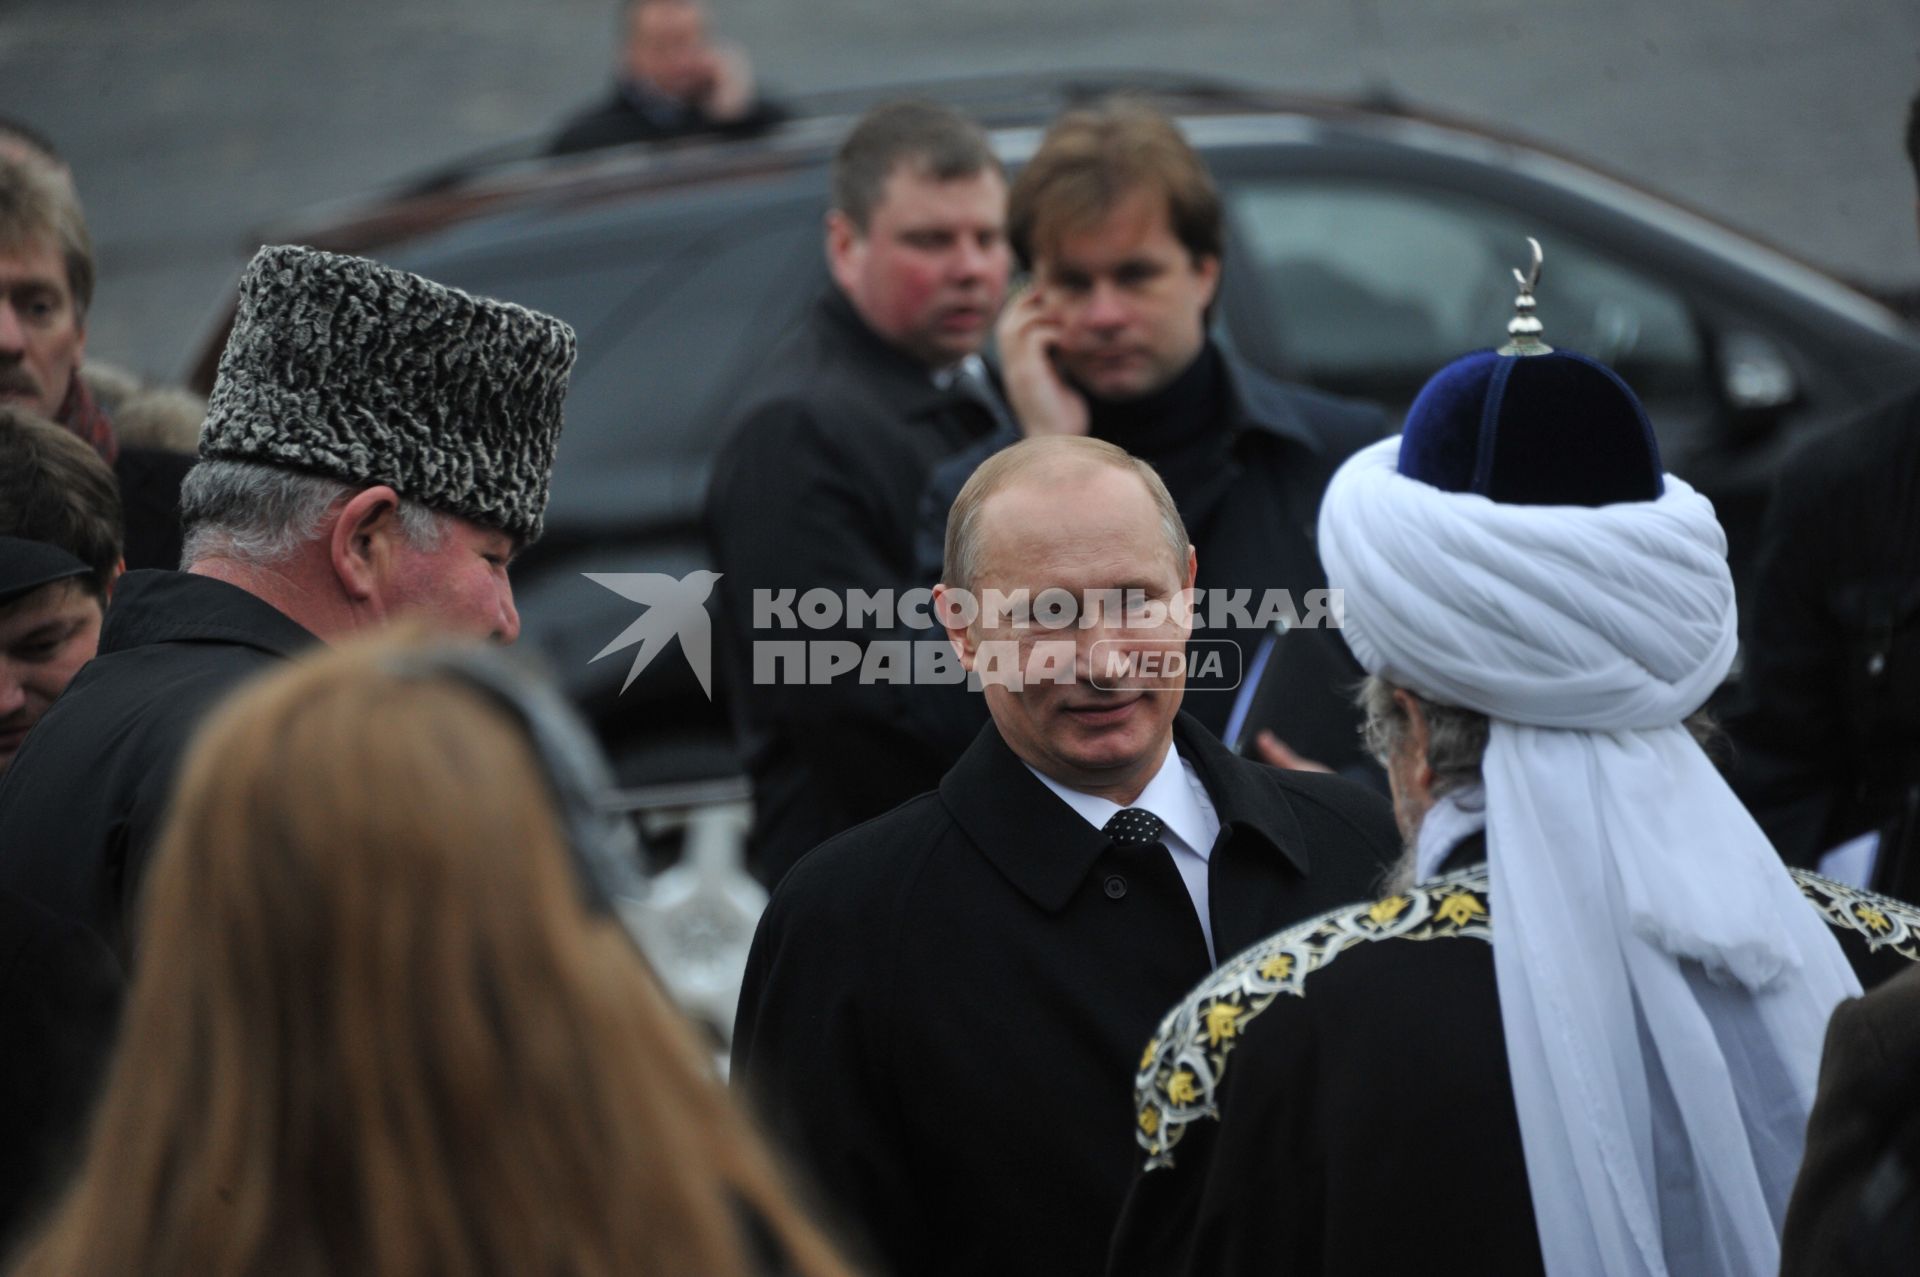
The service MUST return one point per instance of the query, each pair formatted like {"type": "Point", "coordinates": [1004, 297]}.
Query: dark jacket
{"type": "Point", "coordinates": [1362, 1120]}
{"type": "Point", "coordinates": [60, 989]}
{"type": "Point", "coordinates": [631, 114]}
{"type": "Point", "coordinates": [81, 806]}
{"type": "Point", "coordinates": [943, 1006]}
{"type": "Point", "coordinates": [818, 487]}
{"type": "Point", "coordinates": [1827, 722]}
{"type": "Point", "coordinates": [1865, 1127]}
{"type": "Point", "coordinates": [1254, 530]}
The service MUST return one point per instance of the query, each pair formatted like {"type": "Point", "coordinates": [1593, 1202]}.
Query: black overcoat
{"type": "Point", "coordinates": [81, 806]}
{"type": "Point", "coordinates": [944, 1005]}
{"type": "Point", "coordinates": [80, 811]}
{"type": "Point", "coordinates": [818, 488]}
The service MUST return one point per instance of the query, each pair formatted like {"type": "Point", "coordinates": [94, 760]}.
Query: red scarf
{"type": "Point", "coordinates": [86, 418]}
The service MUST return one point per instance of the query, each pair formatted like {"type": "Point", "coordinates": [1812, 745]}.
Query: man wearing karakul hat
{"type": "Point", "coordinates": [376, 446]}
{"type": "Point", "coordinates": [1602, 1058]}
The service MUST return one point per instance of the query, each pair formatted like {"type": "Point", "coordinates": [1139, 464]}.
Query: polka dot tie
{"type": "Point", "coordinates": [1135, 827]}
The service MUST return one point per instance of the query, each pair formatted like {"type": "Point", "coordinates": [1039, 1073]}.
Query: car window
{"type": "Point", "coordinates": [674, 306]}
{"type": "Point", "coordinates": [1367, 289]}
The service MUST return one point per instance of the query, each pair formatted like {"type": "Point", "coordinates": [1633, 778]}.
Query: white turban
{"type": "Point", "coordinates": [1662, 1102]}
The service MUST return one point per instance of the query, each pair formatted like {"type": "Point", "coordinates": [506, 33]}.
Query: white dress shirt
{"type": "Point", "coordinates": [1177, 797]}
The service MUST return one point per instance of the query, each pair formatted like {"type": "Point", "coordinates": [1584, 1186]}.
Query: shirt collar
{"type": "Point", "coordinates": [1173, 794]}
{"type": "Point", "coordinates": [971, 366]}
{"type": "Point", "coordinates": [1454, 817]}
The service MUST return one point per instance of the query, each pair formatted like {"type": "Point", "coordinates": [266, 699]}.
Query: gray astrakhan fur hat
{"type": "Point", "coordinates": [342, 367]}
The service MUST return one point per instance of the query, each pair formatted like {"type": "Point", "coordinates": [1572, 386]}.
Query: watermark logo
{"type": "Point", "coordinates": [1027, 640]}
{"type": "Point", "coordinates": [676, 607]}
{"type": "Point", "coordinates": [1119, 666]}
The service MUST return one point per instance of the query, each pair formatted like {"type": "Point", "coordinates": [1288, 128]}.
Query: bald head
{"type": "Point", "coordinates": [1040, 467]}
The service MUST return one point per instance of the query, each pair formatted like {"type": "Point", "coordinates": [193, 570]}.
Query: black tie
{"type": "Point", "coordinates": [1135, 827]}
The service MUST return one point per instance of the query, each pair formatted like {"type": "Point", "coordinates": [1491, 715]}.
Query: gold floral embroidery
{"type": "Point", "coordinates": [1183, 1067]}
{"type": "Point", "coordinates": [1222, 1020]}
{"type": "Point", "coordinates": [1278, 967]}
{"type": "Point", "coordinates": [1190, 1053]}
{"type": "Point", "coordinates": [1460, 908]}
{"type": "Point", "coordinates": [1385, 911]}
{"type": "Point", "coordinates": [1886, 924]}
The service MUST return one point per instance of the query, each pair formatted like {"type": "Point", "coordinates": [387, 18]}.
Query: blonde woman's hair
{"type": "Point", "coordinates": [375, 1031]}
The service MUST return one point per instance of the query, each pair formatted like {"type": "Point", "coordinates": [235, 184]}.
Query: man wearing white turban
{"type": "Point", "coordinates": [1602, 1059]}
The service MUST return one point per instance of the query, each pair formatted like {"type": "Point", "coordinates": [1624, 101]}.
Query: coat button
{"type": "Point", "coordinates": [1116, 886]}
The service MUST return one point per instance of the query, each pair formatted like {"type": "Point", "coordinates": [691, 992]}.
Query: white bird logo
{"type": "Point", "coordinates": [674, 607]}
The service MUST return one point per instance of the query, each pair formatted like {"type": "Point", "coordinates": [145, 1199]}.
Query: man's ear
{"type": "Point", "coordinates": [1208, 269]}
{"type": "Point", "coordinates": [1417, 734]}
{"type": "Point", "coordinates": [844, 246]}
{"type": "Point", "coordinates": [362, 543]}
{"type": "Point", "coordinates": [113, 577]}
{"type": "Point", "coordinates": [947, 607]}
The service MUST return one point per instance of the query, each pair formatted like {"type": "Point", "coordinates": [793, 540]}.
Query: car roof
{"type": "Point", "coordinates": [1013, 108]}
{"type": "Point", "coordinates": [518, 175]}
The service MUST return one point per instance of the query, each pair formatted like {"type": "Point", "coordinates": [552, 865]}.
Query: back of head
{"type": "Point", "coordinates": [374, 1029]}
{"type": "Point", "coordinates": [55, 488]}
{"type": "Point", "coordinates": [1090, 160]}
{"type": "Point", "coordinates": [1520, 553]}
{"type": "Point", "coordinates": [932, 141]}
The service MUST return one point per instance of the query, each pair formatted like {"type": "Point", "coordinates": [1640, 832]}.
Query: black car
{"type": "Point", "coordinates": [1367, 246]}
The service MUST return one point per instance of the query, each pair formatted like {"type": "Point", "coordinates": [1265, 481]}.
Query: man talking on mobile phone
{"type": "Point", "coordinates": [1118, 221]}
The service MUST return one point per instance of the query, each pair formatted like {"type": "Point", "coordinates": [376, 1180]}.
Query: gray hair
{"type": "Point", "coordinates": [260, 514]}
{"type": "Point", "coordinates": [1457, 738]}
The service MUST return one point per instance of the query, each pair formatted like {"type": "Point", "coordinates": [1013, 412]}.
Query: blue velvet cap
{"type": "Point", "coordinates": [1546, 429]}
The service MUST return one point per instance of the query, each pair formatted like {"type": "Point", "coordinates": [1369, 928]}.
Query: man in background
{"type": "Point", "coordinates": [1121, 225]}
{"type": "Point", "coordinates": [46, 288]}
{"type": "Point", "coordinates": [1827, 722]}
{"type": "Point", "coordinates": [819, 484]}
{"type": "Point", "coordinates": [674, 81]}
{"type": "Point", "coordinates": [56, 493]}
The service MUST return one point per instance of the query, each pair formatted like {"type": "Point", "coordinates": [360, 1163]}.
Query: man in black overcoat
{"type": "Point", "coordinates": [943, 1005]}
{"type": "Point", "coordinates": [1122, 227]}
{"type": "Point", "coordinates": [819, 484]}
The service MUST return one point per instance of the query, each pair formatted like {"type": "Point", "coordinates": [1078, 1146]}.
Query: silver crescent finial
{"type": "Point", "coordinates": [1524, 329]}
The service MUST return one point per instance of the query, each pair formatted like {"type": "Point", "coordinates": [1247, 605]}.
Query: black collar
{"type": "Point", "coordinates": [151, 606]}
{"type": "Point", "coordinates": [1043, 846]}
{"type": "Point", "coordinates": [1262, 406]}
{"type": "Point", "coordinates": [894, 374]}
